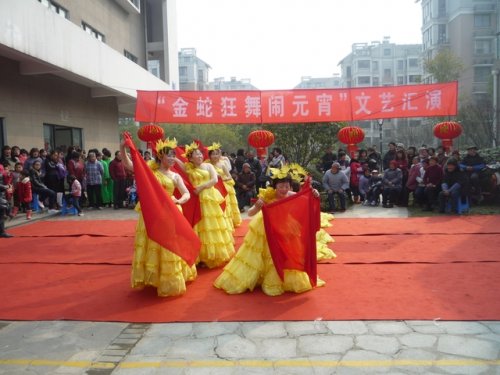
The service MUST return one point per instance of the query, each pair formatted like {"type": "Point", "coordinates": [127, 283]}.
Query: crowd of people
{"type": "Point", "coordinates": [50, 180]}
{"type": "Point", "coordinates": [433, 178]}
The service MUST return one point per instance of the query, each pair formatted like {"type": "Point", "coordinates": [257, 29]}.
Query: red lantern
{"type": "Point", "coordinates": [261, 139]}
{"type": "Point", "coordinates": [150, 134]}
{"type": "Point", "coordinates": [446, 131]}
{"type": "Point", "coordinates": [351, 135]}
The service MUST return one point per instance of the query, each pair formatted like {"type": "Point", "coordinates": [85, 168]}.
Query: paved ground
{"type": "Point", "coordinates": [316, 347]}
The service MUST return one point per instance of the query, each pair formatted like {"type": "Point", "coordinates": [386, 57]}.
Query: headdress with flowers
{"type": "Point", "coordinates": [163, 144]}
{"type": "Point", "coordinates": [190, 149]}
{"type": "Point", "coordinates": [215, 146]}
{"type": "Point", "coordinates": [293, 171]}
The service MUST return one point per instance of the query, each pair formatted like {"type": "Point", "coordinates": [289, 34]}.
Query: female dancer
{"type": "Point", "coordinates": [154, 265]}
{"type": "Point", "coordinates": [253, 264]}
{"type": "Point", "coordinates": [213, 229]}
{"type": "Point", "coordinates": [232, 210]}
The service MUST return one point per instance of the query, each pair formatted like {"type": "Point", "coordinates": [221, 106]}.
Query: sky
{"type": "Point", "coordinates": [276, 42]}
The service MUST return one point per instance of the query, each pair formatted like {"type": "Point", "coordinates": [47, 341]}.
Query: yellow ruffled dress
{"type": "Point", "coordinates": [253, 265]}
{"type": "Point", "coordinates": [323, 239]}
{"type": "Point", "coordinates": [232, 209]}
{"type": "Point", "coordinates": [213, 229]}
{"type": "Point", "coordinates": [154, 265]}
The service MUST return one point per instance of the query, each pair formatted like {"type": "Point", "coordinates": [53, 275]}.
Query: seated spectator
{"type": "Point", "coordinates": [413, 173]}
{"type": "Point", "coordinates": [432, 180]}
{"type": "Point", "coordinates": [402, 164]}
{"type": "Point", "coordinates": [375, 188]}
{"type": "Point", "coordinates": [327, 159]}
{"type": "Point", "coordinates": [364, 186]}
{"type": "Point", "coordinates": [454, 186]}
{"type": "Point", "coordinates": [245, 186]}
{"type": "Point", "coordinates": [356, 173]}
{"type": "Point", "coordinates": [335, 182]}
{"type": "Point", "coordinates": [420, 190]}
{"type": "Point", "coordinates": [392, 184]}
{"type": "Point", "coordinates": [38, 187]}
{"type": "Point", "coordinates": [472, 164]}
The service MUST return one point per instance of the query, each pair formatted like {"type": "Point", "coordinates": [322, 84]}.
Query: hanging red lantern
{"type": "Point", "coordinates": [446, 131]}
{"type": "Point", "coordinates": [351, 135]}
{"type": "Point", "coordinates": [261, 139]}
{"type": "Point", "coordinates": [150, 134]}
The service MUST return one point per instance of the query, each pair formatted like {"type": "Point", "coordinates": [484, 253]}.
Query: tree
{"type": "Point", "coordinates": [476, 119]}
{"type": "Point", "coordinates": [305, 143]}
{"type": "Point", "coordinates": [445, 66]}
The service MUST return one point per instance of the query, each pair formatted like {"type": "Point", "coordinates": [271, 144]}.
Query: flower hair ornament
{"type": "Point", "coordinates": [293, 171]}
{"type": "Point", "coordinates": [190, 149]}
{"type": "Point", "coordinates": [215, 146]}
{"type": "Point", "coordinates": [161, 145]}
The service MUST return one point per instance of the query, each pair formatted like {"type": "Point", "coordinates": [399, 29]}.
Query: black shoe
{"type": "Point", "coordinates": [6, 235]}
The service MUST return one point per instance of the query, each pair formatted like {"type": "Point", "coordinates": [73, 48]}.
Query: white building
{"type": "Point", "coordinates": [69, 69]}
{"type": "Point", "coordinates": [308, 82]}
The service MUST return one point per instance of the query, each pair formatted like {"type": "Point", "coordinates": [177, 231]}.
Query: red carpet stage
{"type": "Point", "coordinates": [415, 268]}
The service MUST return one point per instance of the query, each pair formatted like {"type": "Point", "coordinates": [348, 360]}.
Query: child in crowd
{"type": "Point", "coordinates": [24, 194]}
{"type": "Point", "coordinates": [76, 193]}
{"type": "Point", "coordinates": [16, 179]}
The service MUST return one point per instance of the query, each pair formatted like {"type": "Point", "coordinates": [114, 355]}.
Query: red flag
{"type": "Point", "coordinates": [291, 225]}
{"type": "Point", "coordinates": [164, 223]}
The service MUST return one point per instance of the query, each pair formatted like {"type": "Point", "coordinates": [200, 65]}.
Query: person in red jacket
{"type": "Point", "coordinates": [119, 177]}
{"type": "Point", "coordinates": [356, 173]}
{"type": "Point", "coordinates": [24, 193]}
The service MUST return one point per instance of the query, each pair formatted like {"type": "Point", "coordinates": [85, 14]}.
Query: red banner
{"type": "Point", "coordinates": [297, 106]}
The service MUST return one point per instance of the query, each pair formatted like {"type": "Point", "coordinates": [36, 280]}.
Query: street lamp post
{"type": "Point", "coordinates": [380, 122]}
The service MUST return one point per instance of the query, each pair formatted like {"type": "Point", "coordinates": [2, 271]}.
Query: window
{"type": "Point", "coordinates": [387, 73]}
{"type": "Point", "coordinates": [401, 80]}
{"type": "Point", "coordinates": [364, 64]}
{"type": "Point", "coordinates": [129, 56]}
{"type": "Point", "coordinates": [364, 80]}
{"type": "Point", "coordinates": [387, 52]}
{"type": "Point", "coordinates": [482, 74]}
{"type": "Point", "coordinates": [375, 66]}
{"type": "Point", "coordinates": [183, 71]}
{"type": "Point", "coordinates": [413, 63]}
{"type": "Point", "coordinates": [442, 39]}
{"type": "Point", "coordinates": [154, 67]}
{"type": "Point", "coordinates": [56, 136]}
{"type": "Point", "coordinates": [348, 72]}
{"type": "Point", "coordinates": [376, 81]}
{"type": "Point", "coordinates": [482, 47]}
{"type": "Point", "coordinates": [401, 65]}
{"type": "Point", "coordinates": [416, 78]}
{"type": "Point", "coordinates": [91, 31]}
{"type": "Point", "coordinates": [201, 76]}
{"type": "Point", "coordinates": [56, 8]}
{"type": "Point", "coordinates": [442, 8]}
{"type": "Point", "coordinates": [482, 20]}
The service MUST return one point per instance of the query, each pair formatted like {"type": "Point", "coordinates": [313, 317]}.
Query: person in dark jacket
{"type": "Point", "coordinates": [433, 178]}
{"type": "Point", "coordinates": [454, 186]}
{"type": "Point", "coordinates": [472, 164]}
{"type": "Point", "coordinates": [392, 184]}
{"type": "Point", "coordinates": [245, 186]}
{"type": "Point", "coordinates": [38, 187]}
{"type": "Point", "coordinates": [119, 177]}
{"type": "Point", "coordinates": [389, 155]}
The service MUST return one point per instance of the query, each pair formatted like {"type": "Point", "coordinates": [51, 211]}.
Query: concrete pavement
{"type": "Point", "coordinates": [314, 347]}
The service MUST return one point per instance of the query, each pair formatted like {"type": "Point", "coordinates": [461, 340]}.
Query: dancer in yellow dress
{"type": "Point", "coordinates": [213, 229]}
{"type": "Point", "coordinates": [154, 265]}
{"type": "Point", "coordinates": [253, 265]}
{"type": "Point", "coordinates": [232, 209]}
